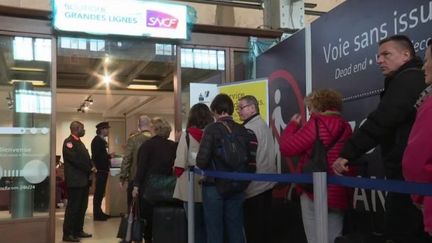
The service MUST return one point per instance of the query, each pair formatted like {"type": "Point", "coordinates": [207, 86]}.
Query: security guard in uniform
{"type": "Point", "coordinates": [101, 160]}
{"type": "Point", "coordinates": [77, 175]}
{"type": "Point", "coordinates": [129, 163]}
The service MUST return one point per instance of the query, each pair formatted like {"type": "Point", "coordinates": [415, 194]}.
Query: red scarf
{"type": "Point", "coordinates": [196, 133]}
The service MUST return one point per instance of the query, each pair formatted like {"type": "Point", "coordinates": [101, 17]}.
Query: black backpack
{"type": "Point", "coordinates": [235, 153]}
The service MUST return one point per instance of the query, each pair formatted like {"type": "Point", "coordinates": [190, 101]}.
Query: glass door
{"type": "Point", "coordinates": [25, 126]}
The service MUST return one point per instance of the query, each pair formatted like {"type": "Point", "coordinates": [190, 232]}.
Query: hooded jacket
{"type": "Point", "coordinates": [417, 160]}
{"type": "Point", "coordinates": [298, 141]}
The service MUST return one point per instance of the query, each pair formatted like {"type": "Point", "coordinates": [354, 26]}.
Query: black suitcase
{"type": "Point", "coordinates": [169, 224]}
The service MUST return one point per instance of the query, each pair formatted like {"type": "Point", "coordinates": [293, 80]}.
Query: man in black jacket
{"type": "Point", "coordinates": [77, 173]}
{"type": "Point", "coordinates": [389, 126]}
{"type": "Point", "coordinates": [101, 160]}
{"type": "Point", "coordinates": [221, 211]}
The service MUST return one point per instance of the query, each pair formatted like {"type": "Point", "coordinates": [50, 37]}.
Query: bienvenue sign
{"type": "Point", "coordinates": [127, 17]}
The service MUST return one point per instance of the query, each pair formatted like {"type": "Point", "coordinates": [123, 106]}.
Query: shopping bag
{"type": "Point", "coordinates": [130, 224]}
{"type": "Point", "coordinates": [318, 160]}
{"type": "Point", "coordinates": [159, 189]}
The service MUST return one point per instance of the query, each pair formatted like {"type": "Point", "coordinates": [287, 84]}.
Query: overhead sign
{"type": "Point", "coordinates": [129, 17]}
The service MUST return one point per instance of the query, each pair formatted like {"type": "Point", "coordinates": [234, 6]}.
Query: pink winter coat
{"type": "Point", "coordinates": [417, 160]}
{"type": "Point", "coordinates": [298, 141]}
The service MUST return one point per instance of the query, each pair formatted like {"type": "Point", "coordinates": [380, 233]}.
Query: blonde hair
{"type": "Point", "coordinates": [324, 99]}
{"type": "Point", "coordinates": [161, 127]}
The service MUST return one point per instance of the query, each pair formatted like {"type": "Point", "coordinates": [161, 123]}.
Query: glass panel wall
{"type": "Point", "coordinates": [25, 126]}
{"type": "Point", "coordinates": [199, 65]}
{"type": "Point", "coordinates": [241, 66]}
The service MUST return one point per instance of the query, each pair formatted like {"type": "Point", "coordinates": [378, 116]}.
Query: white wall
{"type": "Point", "coordinates": [6, 118]}
{"type": "Point", "coordinates": [62, 127]}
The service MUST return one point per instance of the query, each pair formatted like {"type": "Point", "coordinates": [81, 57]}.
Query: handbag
{"type": "Point", "coordinates": [318, 160]}
{"type": "Point", "coordinates": [159, 188]}
{"type": "Point", "coordinates": [130, 224]}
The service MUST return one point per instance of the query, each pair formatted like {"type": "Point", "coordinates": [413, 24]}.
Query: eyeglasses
{"type": "Point", "coordinates": [240, 108]}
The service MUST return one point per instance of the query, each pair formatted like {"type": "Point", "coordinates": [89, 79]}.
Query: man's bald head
{"type": "Point", "coordinates": [144, 123]}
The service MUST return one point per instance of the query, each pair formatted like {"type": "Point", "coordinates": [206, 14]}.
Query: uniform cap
{"type": "Point", "coordinates": [102, 125]}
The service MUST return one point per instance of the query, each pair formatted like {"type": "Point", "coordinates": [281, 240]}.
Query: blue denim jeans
{"type": "Point", "coordinates": [200, 230]}
{"type": "Point", "coordinates": [223, 215]}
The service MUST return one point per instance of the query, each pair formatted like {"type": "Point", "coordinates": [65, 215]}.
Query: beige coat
{"type": "Point", "coordinates": [186, 157]}
{"type": "Point", "coordinates": [265, 156]}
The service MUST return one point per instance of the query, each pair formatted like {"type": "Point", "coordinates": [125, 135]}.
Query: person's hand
{"type": "Point", "coordinates": [296, 118]}
{"type": "Point", "coordinates": [135, 192]}
{"type": "Point", "coordinates": [340, 166]}
{"type": "Point", "coordinates": [121, 185]}
{"type": "Point", "coordinates": [93, 169]}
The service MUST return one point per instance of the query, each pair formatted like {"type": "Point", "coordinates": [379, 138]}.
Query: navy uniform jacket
{"type": "Point", "coordinates": [77, 163]}
{"type": "Point", "coordinates": [100, 156]}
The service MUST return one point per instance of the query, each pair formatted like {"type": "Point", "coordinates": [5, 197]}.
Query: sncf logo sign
{"type": "Point", "coordinates": [161, 20]}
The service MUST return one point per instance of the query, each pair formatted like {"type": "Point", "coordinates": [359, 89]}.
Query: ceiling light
{"type": "Point", "coordinates": [85, 105]}
{"type": "Point", "coordinates": [144, 80]}
{"type": "Point", "coordinates": [27, 69]}
{"type": "Point", "coordinates": [107, 79]}
{"type": "Point", "coordinates": [34, 82]}
{"type": "Point", "coordinates": [107, 59]}
{"type": "Point", "coordinates": [142, 86]}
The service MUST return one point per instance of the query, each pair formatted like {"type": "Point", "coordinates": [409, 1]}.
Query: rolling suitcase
{"type": "Point", "coordinates": [169, 224]}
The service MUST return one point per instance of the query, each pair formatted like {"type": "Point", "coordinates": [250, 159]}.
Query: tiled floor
{"type": "Point", "coordinates": [103, 231]}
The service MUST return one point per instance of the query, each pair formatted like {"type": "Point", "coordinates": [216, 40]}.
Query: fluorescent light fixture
{"type": "Point", "coordinates": [34, 82]}
{"type": "Point", "coordinates": [144, 80]}
{"type": "Point", "coordinates": [28, 69]}
{"type": "Point", "coordinates": [142, 86]}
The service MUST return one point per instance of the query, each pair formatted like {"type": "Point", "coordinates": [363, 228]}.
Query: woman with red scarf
{"type": "Point", "coordinates": [199, 117]}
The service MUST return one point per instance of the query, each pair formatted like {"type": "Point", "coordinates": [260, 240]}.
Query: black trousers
{"type": "Point", "coordinates": [403, 221]}
{"type": "Point", "coordinates": [99, 193]}
{"type": "Point", "coordinates": [147, 214]}
{"type": "Point", "coordinates": [129, 193]}
{"type": "Point", "coordinates": [75, 210]}
{"type": "Point", "coordinates": [257, 217]}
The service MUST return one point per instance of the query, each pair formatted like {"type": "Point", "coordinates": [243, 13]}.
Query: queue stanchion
{"type": "Point", "coordinates": [191, 205]}
{"type": "Point", "coordinates": [320, 206]}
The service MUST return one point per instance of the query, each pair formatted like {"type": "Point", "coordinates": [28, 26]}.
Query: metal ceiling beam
{"type": "Point", "coordinates": [244, 4]}
{"type": "Point", "coordinates": [240, 4]}
{"type": "Point", "coordinates": [314, 12]}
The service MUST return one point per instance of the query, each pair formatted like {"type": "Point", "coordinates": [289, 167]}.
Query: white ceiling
{"type": "Point", "coordinates": [109, 104]}
{"type": "Point", "coordinates": [117, 103]}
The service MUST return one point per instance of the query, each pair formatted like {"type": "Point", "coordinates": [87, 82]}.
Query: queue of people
{"type": "Point", "coordinates": [398, 125]}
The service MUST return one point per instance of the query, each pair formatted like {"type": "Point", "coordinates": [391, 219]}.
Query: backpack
{"type": "Point", "coordinates": [235, 153]}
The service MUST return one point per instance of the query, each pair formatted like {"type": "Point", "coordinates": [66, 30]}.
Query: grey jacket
{"type": "Point", "coordinates": [265, 156]}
